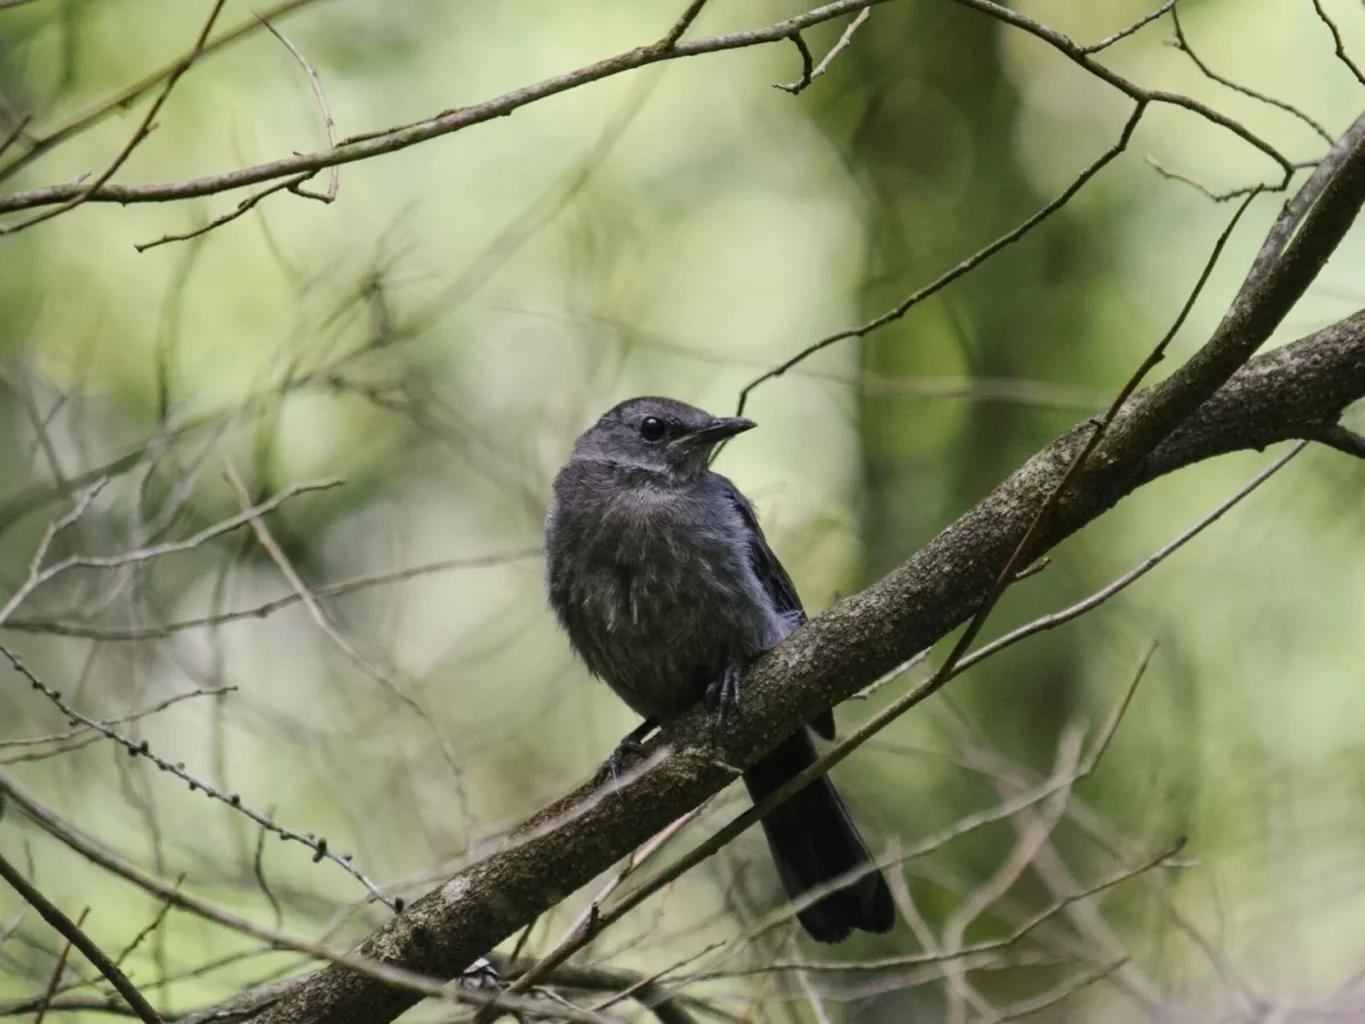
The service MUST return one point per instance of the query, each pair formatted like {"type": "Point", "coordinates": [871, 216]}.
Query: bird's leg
{"type": "Point", "coordinates": [628, 753]}
{"type": "Point", "coordinates": [722, 696]}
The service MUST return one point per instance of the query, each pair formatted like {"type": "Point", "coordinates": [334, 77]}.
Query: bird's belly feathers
{"type": "Point", "coordinates": [658, 614]}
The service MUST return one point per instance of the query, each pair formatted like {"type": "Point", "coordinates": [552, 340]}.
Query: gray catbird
{"type": "Point", "coordinates": [659, 573]}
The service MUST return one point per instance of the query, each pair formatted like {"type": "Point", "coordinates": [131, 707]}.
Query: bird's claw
{"type": "Point", "coordinates": [628, 753]}
{"type": "Point", "coordinates": [722, 696]}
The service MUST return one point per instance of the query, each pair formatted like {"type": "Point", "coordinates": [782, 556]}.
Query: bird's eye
{"type": "Point", "coordinates": [652, 428]}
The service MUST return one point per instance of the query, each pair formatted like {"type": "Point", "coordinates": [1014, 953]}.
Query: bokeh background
{"type": "Point", "coordinates": [438, 335]}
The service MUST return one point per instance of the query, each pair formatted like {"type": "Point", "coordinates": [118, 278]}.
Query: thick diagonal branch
{"type": "Point", "coordinates": [1289, 393]}
{"type": "Point", "coordinates": [1303, 237]}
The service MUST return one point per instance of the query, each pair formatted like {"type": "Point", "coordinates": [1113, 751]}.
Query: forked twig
{"type": "Point", "coordinates": [328, 123]}
{"type": "Point", "coordinates": [809, 73]}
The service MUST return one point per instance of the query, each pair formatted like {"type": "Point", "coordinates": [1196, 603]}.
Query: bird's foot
{"type": "Point", "coordinates": [628, 753]}
{"type": "Point", "coordinates": [722, 696]}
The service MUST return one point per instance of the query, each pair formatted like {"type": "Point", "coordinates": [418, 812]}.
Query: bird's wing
{"type": "Point", "coordinates": [779, 586]}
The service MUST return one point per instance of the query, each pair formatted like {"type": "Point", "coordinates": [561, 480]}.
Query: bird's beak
{"type": "Point", "coordinates": [717, 430]}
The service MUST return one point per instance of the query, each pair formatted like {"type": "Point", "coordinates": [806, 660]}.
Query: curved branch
{"type": "Point", "coordinates": [959, 270]}
{"type": "Point", "coordinates": [362, 147]}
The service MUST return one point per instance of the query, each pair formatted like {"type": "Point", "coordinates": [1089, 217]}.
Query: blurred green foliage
{"type": "Point", "coordinates": [439, 334]}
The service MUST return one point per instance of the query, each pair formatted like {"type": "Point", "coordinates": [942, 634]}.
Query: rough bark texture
{"type": "Point", "coordinates": [1292, 392]}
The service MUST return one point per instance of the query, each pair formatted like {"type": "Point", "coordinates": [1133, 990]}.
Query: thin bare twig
{"type": "Point", "coordinates": [8, 928]}
{"type": "Point", "coordinates": [132, 716]}
{"type": "Point", "coordinates": [38, 576]}
{"type": "Point", "coordinates": [809, 74]}
{"type": "Point", "coordinates": [47, 753]}
{"type": "Point", "coordinates": [954, 990]}
{"type": "Point", "coordinates": [1195, 183]}
{"type": "Point", "coordinates": [70, 931]}
{"type": "Point", "coordinates": [1013, 866]}
{"type": "Point", "coordinates": [54, 979]}
{"type": "Point", "coordinates": [807, 65]}
{"type": "Point", "coordinates": [970, 263]}
{"type": "Point", "coordinates": [342, 642]}
{"type": "Point", "coordinates": [1124, 33]}
{"type": "Point", "coordinates": [1016, 777]}
{"type": "Point", "coordinates": [294, 185]}
{"type": "Point", "coordinates": [1149, 563]}
{"type": "Point", "coordinates": [1337, 42]}
{"type": "Point", "coordinates": [79, 507]}
{"type": "Point", "coordinates": [1096, 937]}
{"type": "Point", "coordinates": [317, 844]}
{"type": "Point", "coordinates": [1183, 45]}
{"type": "Point", "coordinates": [328, 123]}
{"type": "Point", "coordinates": [633, 863]}
{"type": "Point", "coordinates": [1061, 781]}
{"type": "Point", "coordinates": [260, 611]}
{"type": "Point", "coordinates": [683, 23]}
{"type": "Point", "coordinates": [649, 988]}
{"type": "Point", "coordinates": [245, 206]}
{"type": "Point", "coordinates": [151, 926]}
{"type": "Point", "coordinates": [1019, 932]}
{"type": "Point", "coordinates": [1063, 991]}
{"type": "Point", "coordinates": [14, 132]}
{"type": "Point", "coordinates": [305, 594]}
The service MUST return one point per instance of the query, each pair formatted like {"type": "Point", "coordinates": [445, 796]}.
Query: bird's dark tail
{"type": "Point", "coordinates": [814, 842]}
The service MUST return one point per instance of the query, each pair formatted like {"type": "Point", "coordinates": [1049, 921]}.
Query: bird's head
{"type": "Point", "coordinates": [658, 435]}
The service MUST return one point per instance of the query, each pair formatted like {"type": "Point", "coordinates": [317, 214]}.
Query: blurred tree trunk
{"type": "Point", "coordinates": [933, 145]}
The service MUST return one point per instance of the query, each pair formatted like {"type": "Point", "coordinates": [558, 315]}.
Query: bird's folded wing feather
{"type": "Point", "coordinates": [779, 587]}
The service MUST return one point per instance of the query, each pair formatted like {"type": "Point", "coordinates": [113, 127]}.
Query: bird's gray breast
{"type": "Point", "coordinates": [656, 591]}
